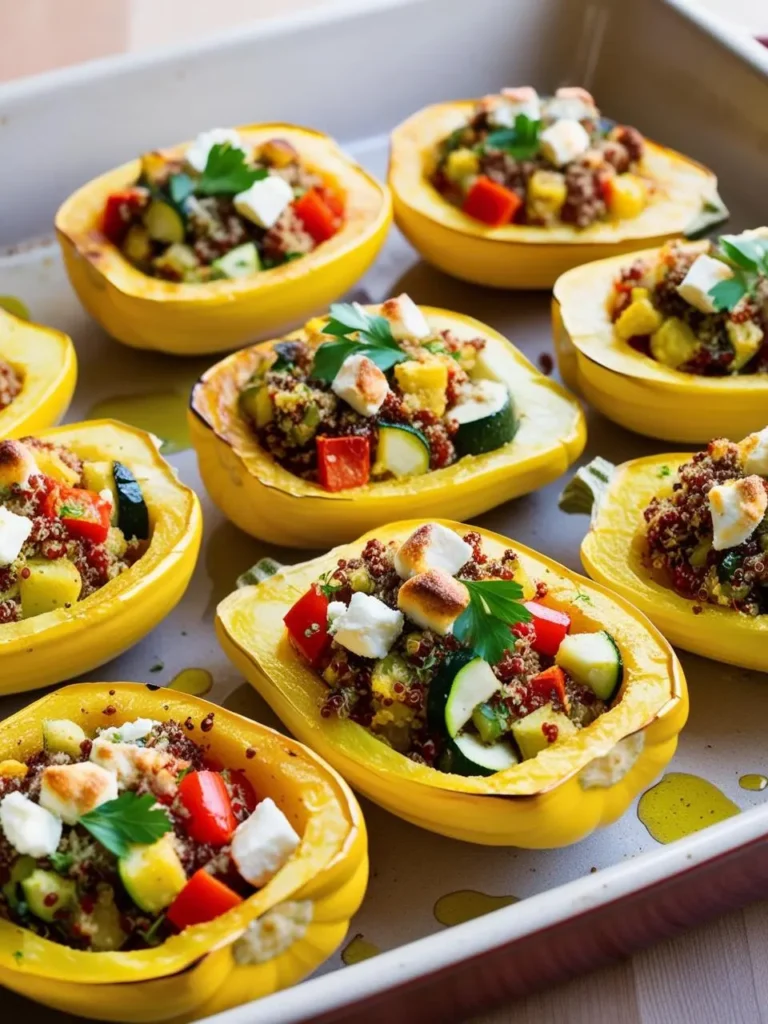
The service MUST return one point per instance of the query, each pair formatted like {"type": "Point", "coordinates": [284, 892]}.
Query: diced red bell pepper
{"type": "Point", "coordinates": [307, 625]}
{"type": "Point", "coordinates": [343, 462]}
{"type": "Point", "coordinates": [205, 796]}
{"type": "Point", "coordinates": [550, 627]}
{"type": "Point", "coordinates": [84, 513]}
{"type": "Point", "coordinates": [491, 203]}
{"type": "Point", "coordinates": [332, 200]}
{"type": "Point", "coordinates": [203, 898]}
{"type": "Point", "coordinates": [119, 210]}
{"type": "Point", "coordinates": [241, 789]}
{"type": "Point", "coordinates": [316, 215]}
{"type": "Point", "coordinates": [547, 686]}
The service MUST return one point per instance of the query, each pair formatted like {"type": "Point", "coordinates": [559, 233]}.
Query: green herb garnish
{"type": "Point", "coordinates": [748, 257]}
{"type": "Point", "coordinates": [71, 511]}
{"type": "Point", "coordinates": [521, 142]}
{"type": "Point", "coordinates": [180, 188]}
{"type": "Point", "coordinates": [327, 586]}
{"type": "Point", "coordinates": [374, 339]}
{"type": "Point", "coordinates": [227, 173]}
{"type": "Point", "coordinates": [494, 606]}
{"type": "Point", "coordinates": [117, 824]}
{"type": "Point", "coordinates": [664, 471]}
{"type": "Point", "coordinates": [61, 862]}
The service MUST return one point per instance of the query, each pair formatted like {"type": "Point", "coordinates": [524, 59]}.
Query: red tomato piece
{"type": "Point", "coordinates": [307, 625]}
{"type": "Point", "coordinates": [343, 462]}
{"type": "Point", "coordinates": [547, 686]}
{"type": "Point", "coordinates": [550, 627]}
{"type": "Point", "coordinates": [84, 513]}
{"type": "Point", "coordinates": [242, 790]}
{"type": "Point", "coordinates": [205, 796]}
{"type": "Point", "coordinates": [203, 898]}
{"type": "Point", "coordinates": [491, 203]}
{"type": "Point", "coordinates": [316, 215]}
{"type": "Point", "coordinates": [119, 210]}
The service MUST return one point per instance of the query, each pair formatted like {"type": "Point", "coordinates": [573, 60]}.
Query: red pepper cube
{"type": "Point", "coordinates": [206, 797]}
{"type": "Point", "coordinates": [118, 212]}
{"type": "Point", "coordinates": [84, 513]}
{"type": "Point", "coordinates": [550, 627]}
{"type": "Point", "coordinates": [316, 215]}
{"type": "Point", "coordinates": [491, 203]}
{"type": "Point", "coordinates": [548, 686]}
{"type": "Point", "coordinates": [202, 899]}
{"type": "Point", "coordinates": [307, 625]}
{"type": "Point", "coordinates": [343, 462]}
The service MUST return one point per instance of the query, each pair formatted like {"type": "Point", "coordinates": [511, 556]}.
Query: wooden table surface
{"type": "Point", "coordinates": [717, 974]}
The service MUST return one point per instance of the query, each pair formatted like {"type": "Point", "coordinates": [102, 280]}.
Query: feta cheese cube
{"type": "Point", "coordinates": [14, 531]}
{"type": "Point", "coordinates": [573, 104]}
{"type": "Point", "coordinates": [704, 273]}
{"type": "Point", "coordinates": [17, 464]}
{"type": "Point", "coordinates": [405, 318]}
{"type": "Point", "coordinates": [738, 507]}
{"type": "Point", "coordinates": [367, 627]}
{"type": "Point", "coordinates": [516, 101]}
{"type": "Point", "coordinates": [361, 384]}
{"type": "Point", "coordinates": [129, 732]}
{"type": "Point", "coordinates": [335, 609]}
{"type": "Point", "coordinates": [433, 600]}
{"type": "Point", "coordinates": [564, 141]}
{"type": "Point", "coordinates": [130, 764]}
{"type": "Point", "coordinates": [431, 546]}
{"type": "Point", "coordinates": [198, 152]}
{"type": "Point", "coordinates": [754, 453]}
{"type": "Point", "coordinates": [28, 827]}
{"type": "Point", "coordinates": [263, 843]}
{"type": "Point", "coordinates": [72, 790]}
{"type": "Point", "coordinates": [265, 200]}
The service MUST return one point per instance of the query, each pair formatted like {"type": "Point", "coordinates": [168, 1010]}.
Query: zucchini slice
{"type": "Point", "coordinates": [468, 755]}
{"type": "Point", "coordinates": [402, 451]}
{"type": "Point", "coordinates": [486, 422]}
{"type": "Point", "coordinates": [239, 262]}
{"type": "Point", "coordinates": [163, 222]}
{"type": "Point", "coordinates": [132, 512]}
{"type": "Point", "coordinates": [592, 659]}
{"type": "Point", "coordinates": [463, 682]}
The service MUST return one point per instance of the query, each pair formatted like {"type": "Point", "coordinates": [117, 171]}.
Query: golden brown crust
{"type": "Point", "coordinates": [433, 600]}
{"type": "Point", "coordinates": [16, 463]}
{"type": "Point", "coordinates": [371, 382]}
{"type": "Point", "coordinates": [410, 554]}
{"type": "Point", "coordinates": [71, 790]}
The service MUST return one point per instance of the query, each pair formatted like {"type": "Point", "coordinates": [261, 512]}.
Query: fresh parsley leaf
{"type": "Point", "coordinates": [521, 142]}
{"type": "Point", "coordinates": [180, 188]}
{"type": "Point", "coordinates": [747, 253]}
{"type": "Point", "coordinates": [330, 356]}
{"type": "Point", "coordinates": [728, 294]}
{"type": "Point", "coordinates": [227, 173]}
{"type": "Point", "coordinates": [129, 819]}
{"type": "Point", "coordinates": [494, 606]}
{"type": "Point", "coordinates": [359, 332]}
{"type": "Point", "coordinates": [749, 259]}
{"type": "Point", "coordinates": [328, 586]}
{"type": "Point", "coordinates": [61, 862]}
{"type": "Point", "coordinates": [71, 512]}
{"type": "Point", "coordinates": [664, 471]}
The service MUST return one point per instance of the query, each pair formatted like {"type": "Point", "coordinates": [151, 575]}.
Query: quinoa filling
{"type": "Point", "coordinates": [10, 384]}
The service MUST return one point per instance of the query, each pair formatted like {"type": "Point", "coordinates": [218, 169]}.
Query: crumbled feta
{"type": "Point", "coordinates": [754, 453]}
{"type": "Point", "coordinates": [265, 200]}
{"type": "Point", "coordinates": [198, 152]}
{"type": "Point", "coordinates": [572, 103]}
{"type": "Point", "coordinates": [14, 531]}
{"type": "Point", "coordinates": [28, 827]}
{"type": "Point", "coordinates": [129, 732]}
{"type": "Point", "coordinates": [263, 843]}
{"type": "Point", "coordinates": [704, 273]}
{"type": "Point", "coordinates": [130, 764]}
{"type": "Point", "coordinates": [108, 496]}
{"type": "Point", "coordinates": [72, 790]}
{"type": "Point", "coordinates": [361, 384]}
{"type": "Point", "coordinates": [563, 141]}
{"type": "Point", "coordinates": [738, 507]}
{"type": "Point", "coordinates": [522, 100]}
{"type": "Point", "coordinates": [335, 610]}
{"type": "Point", "coordinates": [431, 546]}
{"type": "Point", "coordinates": [406, 320]}
{"type": "Point", "coordinates": [368, 627]}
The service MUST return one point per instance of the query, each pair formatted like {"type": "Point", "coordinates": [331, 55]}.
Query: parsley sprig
{"type": "Point", "coordinates": [226, 173]}
{"type": "Point", "coordinates": [129, 819]}
{"type": "Point", "coordinates": [521, 142]}
{"type": "Point", "coordinates": [356, 331]}
{"type": "Point", "coordinates": [494, 606]}
{"type": "Point", "coordinates": [748, 258]}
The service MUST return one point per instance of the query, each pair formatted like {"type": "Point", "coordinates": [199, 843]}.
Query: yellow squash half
{"type": "Point", "coordinates": [45, 361]}
{"type": "Point", "coordinates": [269, 502]}
{"type": "Point", "coordinates": [555, 799]}
{"type": "Point", "coordinates": [65, 643]}
{"type": "Point", "coordinates": [612, 553]}
{"type": "Point", "coordinates": [522, 256]}
{"type": "Point", "coordinates": [194, 319]}
{"type": "Point", "coordinates": [203, 969]}
{"type": "Point", "coordinates": [633, 389]}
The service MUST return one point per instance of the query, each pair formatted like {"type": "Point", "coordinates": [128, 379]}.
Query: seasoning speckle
{"type": "Point", "coordinates": [110, 709]}
{"type": "Point", "coordinates": [546, 363]}
{"type": "Point", "coordinates": [250, 752]}
{"type": "Point", "coordinates": [207, 723]}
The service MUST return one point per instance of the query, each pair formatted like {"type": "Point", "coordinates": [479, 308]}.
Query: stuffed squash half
{"type": "Point", "coordinates": [465, 683]}
{"type": "Point", "coordinates": [98, 540]}
{"type": "Point", "coordinates": [672, 344]}
{"type": "Point", "coordinates": [514, 189]}
{"type": "Point", "coordinates": [38, 370]}
{"type": "Point", "coordinates": [163, 858]}
{"type": "Point", "coordinates": [374, 413]}
{"type": "Point", "coordinates": [211, 244]}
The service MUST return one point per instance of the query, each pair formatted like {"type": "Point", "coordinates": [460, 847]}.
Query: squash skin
{"type": "Point", "coordinates": [540, 804]}
{"type": "Point", "coordinates": [194, 974]}
{"type": "Point", "coordinates": [519, 256]}
{"type": "Point", "coordinates": [635, 390]}
{"type": "Point", "coordinates": [59, 645]}
{"type": "Point", "coordinates": [611, 554]}
{"type": "Point", "coordinates": [196, 319]}
{"type": "Point", "coordinates": [272, 504]}
{"type": "Point", "coordinates": [47, 361]}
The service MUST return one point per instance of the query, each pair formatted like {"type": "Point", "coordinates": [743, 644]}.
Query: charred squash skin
{"type": "Point", "coordinates": [553, 800]}
{"type": "Point", "coordinates": [46, 362]}
{"type": "Point", "coordinates": [195, 319]}
{"type": "Point", "coordinates": [521, 256]}
{"type": "Point", "coordinates": [271, 503]}
{"type": "Point", "coordinates": [59, 645]}
{"type": "Point", "coordinates": [198, 972]}
{"type": "Point", "coordinates": [635, 390]}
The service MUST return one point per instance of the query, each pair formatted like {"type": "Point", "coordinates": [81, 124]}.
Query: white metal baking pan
{"type": "Point", "coordinates": [363, 67]}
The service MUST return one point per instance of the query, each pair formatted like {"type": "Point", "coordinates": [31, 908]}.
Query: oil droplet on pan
{"type": "Point", "coordinates": [682, 804]}
{"type": "Point", "coordinates": [163, 413]}
{"type": "Point", "coordinates": [465, 904]}
{"type": "Point", "coordinates": [196, 681]}
{"type": "Point", "coordinates": [754, 783]}
{"type": "Point", "coordinates": [358, 949]}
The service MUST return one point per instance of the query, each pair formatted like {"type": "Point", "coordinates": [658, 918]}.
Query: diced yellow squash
{"type": "Point", "coordinates": [628, 196]}
{"type": "Point", "coordinates": [153, 874]}
{"type": "Point", "coordinates": [640, 293]}
{"type": "Point", "coordinates": [53, 465]}
{"type": "Point", "coordinates": [414, 376]}
{"type": "Point", "coordinates": [62, 735]}
{"type": "Point", "coordinates": [461, 164]}
{"type": "Point", "coordinates": [13, 769]}
{"type": "Point", "coordinates": [98, 477]}
{"type": "Point", "coordinates": [640, 317]}
{"type": "Point", "coordinates": [433, 399]}
{"type": "Point", "coordinates": [546, 195]}
{"type": "Point", "coordinates": [541, 729]}
{"type": "Point", "coordinates": [746, 339]}
{"type": "Point", "coordinates": [674, 343]}
{"type": "Point", "coordinates": [50, 585]}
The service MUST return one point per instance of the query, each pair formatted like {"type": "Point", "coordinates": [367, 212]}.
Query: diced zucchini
{"type": "Point", "coordinates": [178, 260]}
{"type": "Point", "coordinates": [239, 262]}
{"type": "Point", "coordinates": [137, 245]}
{"type": "Point", "coordinates": [47, 893]}
{"type": "Point", "coordinates": [163, 222]}
{"type": "Point", "coordinates": [386, 673]}
{"type": "Point", "coordinates": [63, 735]}
{"type": "Point", "coordinates": [50, 585]}
{"type": "Point", "coordinates": [153, 875]}
{"type": "Point", "coordinates": [592, 659]}
{"type": "Point", "coordinates": [132, 511]}
{"type": "Point", "coordinates": [52, 465]}
{"type": "Point", "coordinates": [98, 477]}
{"type": "Point", "coordinates": [468, 755]}
{"type": "Point", "coordinates": [256, 404]}
{"type": "Point", "coordinates": [541, 729]}
{"type": "Point", "coordinates": [486, 422]}
{"type": "Point", "coordinates": [488, 722]}
{"type": "Point", "coordinates": [463, 682]}
{"type": "Point", "coordinates": [402, 451]}
{"type": "Point", "coordinates": [102, 923]}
